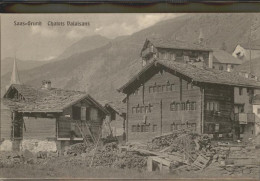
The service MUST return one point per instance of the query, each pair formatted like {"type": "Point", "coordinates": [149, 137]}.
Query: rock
{"type": "Point", "coordinates": [31, 161]}
{"type": "Point", "coordinates": [27, 155]}
{"type": "Point", "coordinates": [246, 171]}
{"type": "Point", "coordinates": [83, 155]}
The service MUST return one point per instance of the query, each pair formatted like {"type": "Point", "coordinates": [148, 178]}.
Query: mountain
{"type": "Point", "coordinates": [7, 64]}
{"type": "Point", "coordinates": [102, 70]}
{"type": "Point", "coordinates": [85, 44]}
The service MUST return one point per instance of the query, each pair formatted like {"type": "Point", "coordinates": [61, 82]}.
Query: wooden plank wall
{"type": "Point", "coordinates": [166, 118]}
{"type": "Point", "coordinates": [39, 128]}
{"type": "Point", "coordinates": [5, 123]}
{"type": "Point", "coordinates": [225, 97]}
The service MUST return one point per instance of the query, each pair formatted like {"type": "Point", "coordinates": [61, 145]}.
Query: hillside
{"type": "Point", "coordinates": [7, 64]}
{"type": "Point", "coordinates": [102, 70]}
{"type": "Point", "coordinates": [85, 44]}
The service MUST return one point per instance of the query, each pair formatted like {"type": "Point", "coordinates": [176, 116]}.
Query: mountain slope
{"type": "Point", "coordinates": [102, 70]}
{"type": "Point", "coordinates": [7, 64]}
{"type": "Point", "coordinates": [85, 44]}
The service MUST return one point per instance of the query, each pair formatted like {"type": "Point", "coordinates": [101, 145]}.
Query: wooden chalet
{"type": "Point", "coordinates": [176, 50]}
{"type": "Point", "coordinates": [52, 114]}
{"type": "Point", "coordinates": [168, 95]}
{"type": "Point", "coordinates": [222, 60]}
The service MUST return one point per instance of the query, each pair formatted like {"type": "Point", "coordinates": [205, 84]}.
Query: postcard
{"type": "Point", "coordinates": [130, 95]}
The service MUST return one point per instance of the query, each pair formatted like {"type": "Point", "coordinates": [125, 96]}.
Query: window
{"type": "Point", "coordinates": [193, 106]}
{"type": "Point", "coordinates": [159, 88]}
{"type": "Point", "coordinates": [142, 128]}
{"type": "Point", "coordinates": [240, 91]}
{"type": "Point", "coordinates": [133, 128]}
{"type": "Point", "coordinates": [150, 89]}
{"type": "Point", "coordinates": [188, 107]}
{"type": "Point", "coordinates": [221, 67]}
{"type": "Point", "coordinates": [165, 55]}
{"type": "Point", "coordinates": [172, 106]}
{"type": "Point", "coordinates": [138, 128]}
{"type": "Point", "coordinates": [183, 106]}
{"type": "Point", "coordinates": [177, 107]}
{"type": "Point", "coordinates": [216, 127]}
{"type": "Point", "coordinates": [154, 88]}
{"type": "Point", "coordinates": [168, 86]}
{"type": "Point", "coordinates": [172, 87]}
{"type": "Point", "coordinates": [163, 88]}
{"type": "Point", "coordinates": [173, 127]}
{"type": "Point", "coordinates": [258, 111]}
{"type": "Point", "coordinates": [173, 56]}
{"type": "Point", "coordinates": [154, 128]}
{"type": "Point", "coordinates": [74, 129]}
{"type": "Point", "coordinates": [76, 115]}
{"type": "Point", "coordinates": [142, 109]}
{"type": "Point", "coordinates": [212, 106]}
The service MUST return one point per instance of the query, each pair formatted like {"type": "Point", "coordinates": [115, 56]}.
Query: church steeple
{"type": "Point", "coordinates": [15, 76]}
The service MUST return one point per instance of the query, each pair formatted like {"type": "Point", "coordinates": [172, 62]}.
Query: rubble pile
{"type": "Point", "coordinates": [162, 141]}
{"type": "Point", "coordinates": [79, 148]}
{"type": "Point", "coordinates": [10, 159]}
{"type": "Point", "coordinates": [131, 160]}
{"type": "Point", "coordinates": [236, 159]}
{"type": "Point", "coordinates": [104, 156]}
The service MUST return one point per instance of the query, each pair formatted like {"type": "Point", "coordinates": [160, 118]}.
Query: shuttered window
{"type": "Point", "coordinates": [76, 112]}
{"type": "Point", "coordinates": [83, 113]}
{"type": "Point", "coordinates": [93, 114]}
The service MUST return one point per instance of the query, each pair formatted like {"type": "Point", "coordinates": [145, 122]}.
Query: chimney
{"type": "Point", "coordinates": [46, 84]}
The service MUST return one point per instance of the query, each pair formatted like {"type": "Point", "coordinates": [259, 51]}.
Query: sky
{"type": "Point", "coordinates": [41, 43]}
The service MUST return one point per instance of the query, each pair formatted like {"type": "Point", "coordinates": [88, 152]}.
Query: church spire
{"type": "Point", "coordinates": [15, 76]}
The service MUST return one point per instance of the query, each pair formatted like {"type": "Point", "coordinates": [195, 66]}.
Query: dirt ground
{"type": "Point", "coordinates": [86, 161]}
{"type": "Point", "coordinates": [79, 171]}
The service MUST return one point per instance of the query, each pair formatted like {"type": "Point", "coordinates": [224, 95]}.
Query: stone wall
{"type": "Point", "coordinates": [6, 145]}
{"type": "Point", "coordinates": [34, 145]}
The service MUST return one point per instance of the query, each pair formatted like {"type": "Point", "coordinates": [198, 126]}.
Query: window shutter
{"type": "Point", "coordinates": [83, 113]}
{"type": "Point", "coordinates": [93, 114]}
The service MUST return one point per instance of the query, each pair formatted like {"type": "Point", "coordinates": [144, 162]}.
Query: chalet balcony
{"type": "Point", "coordinates": [147, 52]}
{"type": "Point", "coordinates": [244, 118]}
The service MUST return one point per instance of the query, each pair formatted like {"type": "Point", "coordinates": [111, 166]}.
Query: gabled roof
{"type": "Point", "coordinates": [221, 56]}
{"type": "Point", "coordinates": [46, 100]}
{"type": "Point", "coordinates": [255, 45]}
{"type": "Point", "coordinates": [176, 44]}
{"type": "Point", "coordinates": [117, 106]}
{"type": "Point", "coordinates": [203, 75]}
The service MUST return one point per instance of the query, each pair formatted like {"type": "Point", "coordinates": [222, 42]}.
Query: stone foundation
{"type": "Point", "coordinates": [34, 145]}
{"type": "Point", "coordinates": [6, 145]}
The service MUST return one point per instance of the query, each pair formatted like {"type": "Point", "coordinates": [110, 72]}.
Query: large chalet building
{"type": "Point", "coordinates": [178, 88]}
